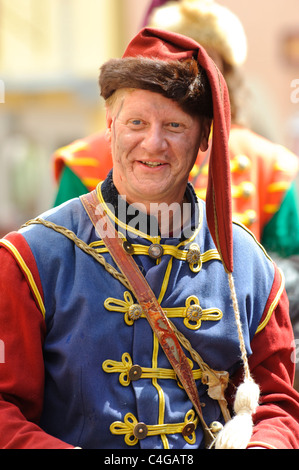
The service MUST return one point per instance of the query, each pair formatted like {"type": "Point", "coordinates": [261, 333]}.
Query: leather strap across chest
{"type": "Point", "coordinates": [147, 300]}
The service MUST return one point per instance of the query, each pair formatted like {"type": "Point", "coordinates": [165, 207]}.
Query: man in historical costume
{"type": "Point", "coordinates": [127, 339]}
{"type": "Point", "coordinates": [264, 194]}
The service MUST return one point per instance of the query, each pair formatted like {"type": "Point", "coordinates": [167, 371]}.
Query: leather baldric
{"type": "Point", "coordinates": [148, 302]}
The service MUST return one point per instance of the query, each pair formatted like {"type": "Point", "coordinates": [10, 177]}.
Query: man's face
{"type": "Point", "coordinates": [154, 146]}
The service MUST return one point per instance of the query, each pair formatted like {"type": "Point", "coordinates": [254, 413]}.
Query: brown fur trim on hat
{"type": "Point", "coordinates": [182, 81]}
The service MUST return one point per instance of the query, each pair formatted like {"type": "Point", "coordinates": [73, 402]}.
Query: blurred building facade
{"type": "Point", "coordinates": [50, 54]}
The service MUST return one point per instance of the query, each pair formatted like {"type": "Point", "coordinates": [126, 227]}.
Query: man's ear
{"type": "Point", "coordinates": [108, 126]}
{"type": "Point", "coordinates": [205, 134]}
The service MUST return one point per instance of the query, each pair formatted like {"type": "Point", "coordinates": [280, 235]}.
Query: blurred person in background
{"type": "Point", "coordinates": [264, 195]}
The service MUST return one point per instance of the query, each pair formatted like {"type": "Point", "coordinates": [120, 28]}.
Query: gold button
{"type": "Point", "coordinates": [250, 217]}
{"type": "Point", "coordinates": [193, 255]}
{"type": "Point", "coordinates": [128, 247]}
{"type": "Point", "coordinates": [135, 372]}
{"type": "Point", "coordinates": [243, 162]}
{"type": "Point", "coordinates": [188, 429]}
{"type": "Point", "coordinates": [194, 312]}
{"type": "Point", "coordinates": [140, 431]}
{"type": "Point", "coordinates": [247, 189]}
{"type": "Point", "coordinates": [155, 251]}
{"type": "Point", "coordinates": [135, 312]}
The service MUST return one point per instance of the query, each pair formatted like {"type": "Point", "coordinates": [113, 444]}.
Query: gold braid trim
{"type": "Point", "coordinates": [124, 367]}
{"type": "Point", "coordinates": [215, 380]}
{"type": "Point", "coordinates": [128, 426]}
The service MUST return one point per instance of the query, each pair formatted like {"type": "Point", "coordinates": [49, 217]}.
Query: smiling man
{"type": "Point", "coordinates": [153, 142]}
{"type": "Point", "coordinates": [119, 336]}
{"type": "Point", "coordinates": [154, 146]}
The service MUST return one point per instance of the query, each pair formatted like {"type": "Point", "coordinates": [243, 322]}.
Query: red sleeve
{"type": "Point", "coordinates": [276, 422]}
{"type": "Point", "coordinates": [21, 365]}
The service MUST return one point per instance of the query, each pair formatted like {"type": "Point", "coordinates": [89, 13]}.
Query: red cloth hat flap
{"type": "Point", "coordinates": [165, 45]}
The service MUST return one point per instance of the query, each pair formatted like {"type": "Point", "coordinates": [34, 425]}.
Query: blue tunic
{"type": "Point", "coordinates": [91, 399]}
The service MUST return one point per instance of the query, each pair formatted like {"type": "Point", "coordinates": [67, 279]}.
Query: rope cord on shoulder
{"type": "Point", "coordinates": [83, 246]}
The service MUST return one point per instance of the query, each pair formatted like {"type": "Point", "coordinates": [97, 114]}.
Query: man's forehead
{"type": "Point", "coordinates": [145, 101]}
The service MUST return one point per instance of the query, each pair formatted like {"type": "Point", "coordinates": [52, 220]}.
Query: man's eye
{"type": "Point", "coordinates": [175, 127]}
{"type": "Point", "coordinates": [136, 122]}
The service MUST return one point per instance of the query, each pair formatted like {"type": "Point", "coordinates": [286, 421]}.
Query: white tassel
{"type": "Point", "coordinates": [237, 432]}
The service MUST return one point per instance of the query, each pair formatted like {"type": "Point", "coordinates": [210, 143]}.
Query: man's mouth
{"type": "Point", "coordinates": [152, 164]}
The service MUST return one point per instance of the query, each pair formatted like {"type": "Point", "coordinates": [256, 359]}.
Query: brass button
{"type": "Point", "coordinates": [193, 255]}
{"type": "Point", "coordinates": [140, 431]}
{"type": "Point", "coordinates": [194, 312]}
{"type": "Point", "coordinates": [250, 217]}
{"type": "Point", "coordinates": [188, 429]}
{"type": "Point", "coordinates": [247, 189]}
{"type": "Point", "coordinates": [155, 251]}
{"type": "Point", "coordinates": [128, 247]}
{"type": "Point", "coordinates": [135, 312]}
{"type": "Point", "coordinates": [216, 427]}
{"type": "Point", "coordinates": [135, 372]}
{"type": "Point", "coordinates": [243, 162]}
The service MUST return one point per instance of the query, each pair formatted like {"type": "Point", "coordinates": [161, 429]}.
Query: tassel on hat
{"type": "Point", "coordinates": [237, 432]}
{"type": "Point", "coordinates": [167, 46]}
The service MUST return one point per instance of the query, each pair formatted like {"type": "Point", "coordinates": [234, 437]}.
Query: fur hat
{"type": "Point", "coordinates": [210, 24]}
{"type": "Point", "coordinates": [169, 51]}
{"type": "Point", "coordinates": [184, 82]}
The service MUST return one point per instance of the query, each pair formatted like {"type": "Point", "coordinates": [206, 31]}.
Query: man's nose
{"type": "Point", "coordinates": [155, 140]}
